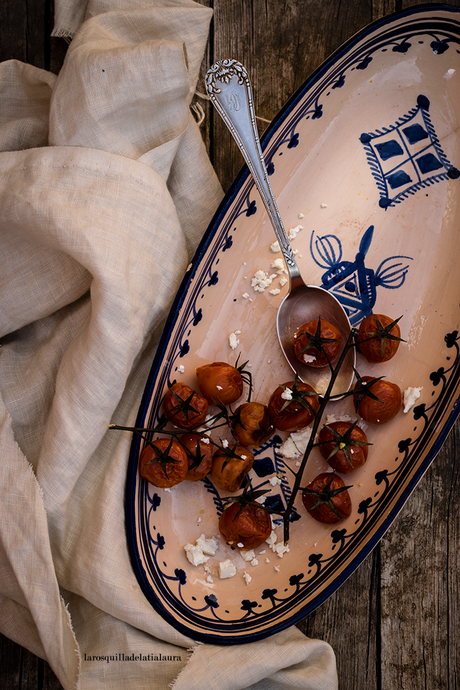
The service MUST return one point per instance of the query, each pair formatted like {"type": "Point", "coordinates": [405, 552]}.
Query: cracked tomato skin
{"type": "Point", "coordinates": [385, 408]}
{"type": "Point", "coordinates": [251, 528]}
{"type": "Point", "coordinates": [332, 349]}
{"type": "Point", "coordinates": [341, 501]}
{"type": "Point", "coordinates": [154, 473]}
{"type": "Point", "coordinates": [254, 425]}
{"type": "Point", "coordinates": [371, 347]}
{"type": "Point", "coordinates": [231, 477]}
{"type": "Point", "coordinates": [294, 416]}
{"type": "Point", "coordinates": [220, 382]}
{"type": "Point", "coordinates": [358, 454]}
{"type": "Point", "coordinates": [191, 441]}
{"type": "Point", "coordinates": [185, 419]}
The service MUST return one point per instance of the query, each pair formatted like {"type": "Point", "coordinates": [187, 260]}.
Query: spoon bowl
{"type": "Point", "coordinates": [229, 88]}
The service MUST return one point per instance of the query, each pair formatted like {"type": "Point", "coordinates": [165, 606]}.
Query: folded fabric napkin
{"type": "Point", "coordinates": [105, 191]}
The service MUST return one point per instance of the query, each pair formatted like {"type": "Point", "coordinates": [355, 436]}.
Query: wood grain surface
{"type": "Point", "coordinates": [393, 624]}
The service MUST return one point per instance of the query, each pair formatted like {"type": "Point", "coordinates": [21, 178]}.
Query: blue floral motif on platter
{"type": "Point", "coordinates": [352, 282]}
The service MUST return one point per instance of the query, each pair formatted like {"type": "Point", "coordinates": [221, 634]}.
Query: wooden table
{"type": "Point", "coordinates": [393, 624]}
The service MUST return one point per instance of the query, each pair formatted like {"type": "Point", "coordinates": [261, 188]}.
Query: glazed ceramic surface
{"type": "Point", "coordinates": [365, 158]}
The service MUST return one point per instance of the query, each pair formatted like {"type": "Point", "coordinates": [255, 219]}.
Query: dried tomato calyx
{"type": "Point", "coordinates": [343, 442]}
{"type": "Point", "coordinates": [316, 341]}
{"type": "Point", "coordinates": [197, 456]}
{"type": "Point", "coordinates": [298, 396]}
{"type": "Point", "coordinates": [247, 498]}
{"type": "Point", "coordinates": [163, 457]}
{"type": "Point", "coordinates": [245, 375]}
{"type": "Point", "coordinates": [325, 496]}
{"type": "Point", "coordinates": [229, 451]}
{"type": "Point", "coordinates": [364, 390]}
{"type": "Point", "coordinates": [184, 406]}
{"type": "Point", "coordinates": [383, 333]}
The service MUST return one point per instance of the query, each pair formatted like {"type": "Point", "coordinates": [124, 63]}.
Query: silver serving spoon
{"type": "Point", "coordinates": [229, 88]}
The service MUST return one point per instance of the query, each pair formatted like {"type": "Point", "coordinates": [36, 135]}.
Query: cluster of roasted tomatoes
{"type": "Point", "coordinates": [344, 445]}
{"type": "Point", "coordinates": [190, 454]}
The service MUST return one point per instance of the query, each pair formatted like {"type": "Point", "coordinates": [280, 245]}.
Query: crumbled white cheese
{"type": "Point", "coordinates": [246, 577]}
{"type": "Point", "coordinates": [274, 481]}
{"type": "Point", "coordinates": [275, 291]}
{"type": "Point", "coordinates": [296, 444]}
{"type": "Point", "coordinates": [308, 359]}
{"type": "Point", "coordinates": [275, 247]}
{"type": "Point", "coordinates": [287, 394]}
{"type": "Point", "coordinates": [278, 265]}
{"type": "Point", "coordinates": [247, 554]}
{"type": "Point", "coordinates": [209, 579]}
{"type": "Point", "coordinates": [323, 205]}
{"type": "Point", "coordinates": [226, 569]}
{"type": "Point", "coordinates": [283, 281]}
{"type": "Point", "coordinates": [254, 562]}
{"type": "Point", "coordinates": [261, 553]}
{"type": "Point", "coordinates": [261, 500]}
{"type": "Point", "coordinates": [245, 295]}
{"type": "Point", "coordinates": [208, 546]}
{"type": "Point", "coordinates": [267, 560]}
{"type": "Point", "coordinates": [301, 215]}
{"type": "Point", "coordinates": [181, 368]}
{"type": "Point", "coordinates": [233, 341]}
{"type": "Point", "coordinates": [331, 418]}
{"type": "Point", "coordinates": [411, 395]}
{"type": "Point", "coordinates": [225, 443]}
{"type": "Point", "coordinates": [277, 568]}
{"type": "Point", "coordinates": [271, 540]}
{"type": "Point", "coordinates": [195, 555]}
{"type": "Point", "coordinates": [293, 232]}
{"type": "Point", "coordinates": [260, 281]}
{"type": "Point", "coordinates": [219, 388]}
{"type": "Point", "coordinates": [450, 73]}
{"type": "Point", "coordinates": [281, 549]}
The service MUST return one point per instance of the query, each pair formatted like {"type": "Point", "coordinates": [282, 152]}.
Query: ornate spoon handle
{"type": "Point", "coordinates": [229, 89]}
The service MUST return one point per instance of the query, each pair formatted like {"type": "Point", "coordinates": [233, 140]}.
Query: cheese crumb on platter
{"type": "Point", "coordinates": [261, 280]}
{"type": "Point", "coordinates": [233, 341]}
{"type": "Point", "coordinates": [411, 395]}
{"type": "Point", "coordinates": [226, 569]}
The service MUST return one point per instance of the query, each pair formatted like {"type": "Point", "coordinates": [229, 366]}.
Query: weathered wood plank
{"type": "Point", "coordinates": [281, 44]}
{"type": "Point", "coordinates": [420, 582]}
{"type": "Point", "coordinates": [348, 620]}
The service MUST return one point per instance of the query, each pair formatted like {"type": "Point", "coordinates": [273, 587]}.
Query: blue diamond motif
{"type": "Point", "coordinates": [406, 156]}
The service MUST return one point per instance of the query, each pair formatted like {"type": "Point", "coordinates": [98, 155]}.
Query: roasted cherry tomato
{"type": "Point", "coordinates": [165, 465]}
{"type": "Point", "coordinates": [185, 407]}
{"type": "Point", "coordinates": [252, 424]}
{"type": "Point", "coordinates": [377, 411]}
{"type": "Point", "coordinates": [327, 499]}
{"type": "Point", "coordinates": [378, 338]}
{"type": "Point", "coordinates": [230, 466]}
{"type": "Point", "coordinates": [291, 406]}
{"type": "Point", "coordinates": [249, 525]}
{"type": "Point", "coordinates": [316, 342]}
{"type": "Point", "coordinates": [200, 457]}
{"type": "Point", "coordinates": [344, 445]}
{"type": "Point", "coordinates": [220, 382]}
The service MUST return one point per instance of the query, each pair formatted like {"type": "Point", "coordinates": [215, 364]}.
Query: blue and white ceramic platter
{"type": "Point", "coordinates": [365, 158]}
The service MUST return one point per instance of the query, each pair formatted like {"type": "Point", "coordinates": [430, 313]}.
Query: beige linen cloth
{"type": "Point", "coordinates": [105, 191]}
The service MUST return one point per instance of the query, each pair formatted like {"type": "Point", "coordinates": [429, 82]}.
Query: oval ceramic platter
{"type": "Point", "coordinates": [365, 159]}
